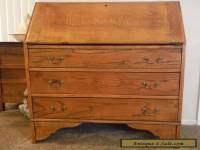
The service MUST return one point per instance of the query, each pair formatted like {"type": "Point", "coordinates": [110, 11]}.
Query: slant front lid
{"type": "Point", "coordinates": [106, 23]}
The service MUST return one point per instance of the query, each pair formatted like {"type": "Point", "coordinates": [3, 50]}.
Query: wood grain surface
{"type": "Point", "coordinates": [11, 55]}
{"type": "Point", "coordinates": [12, 72]}
{"type": "Point", "coordinates": [107, 83]}
{"type": "Point", "coordinates": [163, 131]}
{"type": "Point", "coordinates": [105, 63]}
{"type": "Point", "coordinates": [1, 99]}
{"type": "Point", "coordinates": [106, 23]}
{"type": "Point", "coordinates": [105, 109]}
{"type": "Point", "coordinates": [13, 92]}
{"type": "Point", "coordinates": [105, 58]}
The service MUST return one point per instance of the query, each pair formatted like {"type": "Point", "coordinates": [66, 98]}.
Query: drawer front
{"type": "Point", "coordinates": [11, 50]}
{"type": "Point", "coordinates": [105, 108]}
{"type": "Point", "coordinates": [13, 92]}
{"type": "Point", "coordinates": [105, 58]}
{"type": "Point", "coordinates": [12, 56]}
{"type": "Point", "coordinates": [12, 60]}
{"type": "Point", "coordinates": [106, 83]}
{"type": "Point", "coordinates": [13, 99]}
{"type": "Point", "coordinates": [13, 89]}
{"type": "Point", "coordinates": [13, 74]}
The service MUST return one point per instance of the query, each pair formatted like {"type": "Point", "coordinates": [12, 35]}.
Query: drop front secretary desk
{"type": "Point", "coordinates": [105, 63]}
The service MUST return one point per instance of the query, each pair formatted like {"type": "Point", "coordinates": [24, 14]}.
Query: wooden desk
{"type": "Point", "coordinates": [13, 82]}
{"type": "Point", "coordinates": [105, 63]}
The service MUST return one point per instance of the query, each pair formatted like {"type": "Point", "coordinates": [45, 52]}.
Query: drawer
{"type": "Point", "coordinates": [12, 57]}
{"type": "Point", "coordinates": [13, 92]}
{"type": "Point", "coordinates": [13, 99]}
{"type": "Point", "coordinates": [12, 60]}
{"type": "Point", "coordinates": [11, 49]}
{"type": "Point", "coordinates": [105, 108]}
{"type": "Point", "coordinates": [105, 83]}
{"type": "Point", "coordinates": [13, 89]}
{"type": "Point", "coordinates": [12, 74]}
{"type": "Point", "coordinates": [126, 58]}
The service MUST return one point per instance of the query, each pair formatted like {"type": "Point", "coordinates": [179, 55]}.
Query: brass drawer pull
{"type": "Point", "coordinates": [149, 85]}
{"type": "Point", "coordinates": [148, 111]}
{"type": "Point", "coordinates": [55, 83]}
{"type": "Point", "coordinates": [156, 84]}
{"type": "Point", "coordinates": [145, 84]}
{"type": "Point", "coordinates": [63, 108]}
{"type": "Point", "coordinates": [56, 60]}
{"type": "Point", "coordinates": [52, 108]}
{"type": "Point", "coordinates": [158, 60]}
{"type": "Point", "coordinates": [147, 61]}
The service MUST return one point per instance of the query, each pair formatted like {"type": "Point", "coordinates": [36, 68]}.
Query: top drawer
{"type": "Point", "coordinates": [11, 57]}
{"type": "Point", "coordinates": [106, 57]}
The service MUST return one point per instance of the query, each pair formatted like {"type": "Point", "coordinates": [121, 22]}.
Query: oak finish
{"type": "Point", "coordinates": [99, 108]}
{"type": "Point", "coordinates": [12, 55]}
{"type": "Point", "coordinates": [159, 84]}
{"type": "Point", "coordinates": [157, 130]}
{"type": "Point", "coordinates": [87, 66]}
{"type": "Point", "coordinates": [12, 69]}
{"type": "Point", "coordinates": [41, 132]}
{"type": "Point", "coordinates": [105, 57]}
{"type": "Point", "coordinates": [2, 105]}
{"type": "Point", "coordinates": [81, 23]}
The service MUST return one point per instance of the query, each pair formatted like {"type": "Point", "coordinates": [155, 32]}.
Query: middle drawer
{"type": "Point", "coordinates": [104, 83]}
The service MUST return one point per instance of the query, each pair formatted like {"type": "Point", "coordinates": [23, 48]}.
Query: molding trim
{"type": "Point", "coordinates": [189, 122]}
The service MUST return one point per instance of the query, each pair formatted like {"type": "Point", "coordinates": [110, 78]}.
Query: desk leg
{"type": "Point", "coordinates": [3, 106]}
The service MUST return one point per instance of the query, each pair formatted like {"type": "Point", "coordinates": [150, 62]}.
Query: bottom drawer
{"type": "Point", "coordinates": [105, 109]}
{"type": "Point", "coordinates": [13, 92]}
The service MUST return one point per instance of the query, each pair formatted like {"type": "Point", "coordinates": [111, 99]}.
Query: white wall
{"type": "Point", "coordinates": [11, 14]}
{"type": "Point", "coordinates": [191, 16]}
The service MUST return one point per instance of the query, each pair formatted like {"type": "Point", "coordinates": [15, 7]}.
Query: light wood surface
{"type": "Point", "coordinates": [105, 57]}
{"type": "Point", "coordinates": [99, 108]}
{"type": "Point", "coordinates": [45, 129]}
{"type": "Point", "coordinates": [1, 99]}
{"type": "Point", "coordinates": [105, 63]}
{"type": "Point", "coordinates": [12, 56]}
{"type": "Point", "coordinates": [107, 23]}
{"type": "Point", "coordinates": [159, 84]}
{"type": "Point", "coordinates": [169, 131]}
{"type": "Point", "coordinates": [13, 82]}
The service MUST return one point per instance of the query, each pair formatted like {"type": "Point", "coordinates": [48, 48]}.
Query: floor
{"type": "Point", "coordinates": [15, 135]}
